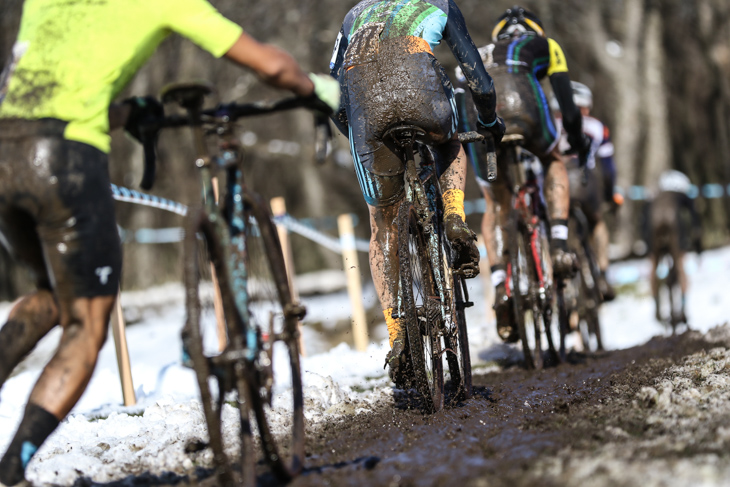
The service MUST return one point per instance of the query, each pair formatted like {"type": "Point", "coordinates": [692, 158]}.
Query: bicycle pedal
{"type": "Point", "coordinates": [468, 271]}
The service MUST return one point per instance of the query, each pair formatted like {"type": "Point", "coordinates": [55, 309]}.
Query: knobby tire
{"type": "Point", "coordinates": [416, 276]}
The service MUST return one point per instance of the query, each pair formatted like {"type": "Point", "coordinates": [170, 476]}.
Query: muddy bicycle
{"type": "Point", "coordinates": [584, 296]}
{"type": "Point", "coordinates": [433, 291]}
{"type": "Point", "coordinates": [250, 280]}
{"type": "Point", "coordinates": [529, 280]}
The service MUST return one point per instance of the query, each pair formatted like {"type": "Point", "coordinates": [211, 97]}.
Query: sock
{"type": "Point", "coordinates": [36, 426]}
{"type": "Point", "coordinates": [454, 203]}
{"type": "Point", "coordinates": [499, 275]}
{"type": "Point", "coordinates": [559, 234]}
{"type": "Point", "coordinates": [395, 325]}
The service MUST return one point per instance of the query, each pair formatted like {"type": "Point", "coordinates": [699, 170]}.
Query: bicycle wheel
{"type": "Point", "coordinates": [523, 298]}
{"type": "Point", "coordinates": [199, 342]}
{"type": "Point", "coordinates": [457, 342]}
{"type": "Point", "coordinates": [421, 308]}
{"type": "Point", "coordinates": [276, 392]}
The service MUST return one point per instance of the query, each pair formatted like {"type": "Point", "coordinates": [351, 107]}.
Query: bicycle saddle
{"type": "Point", "coordinates": [188, 94]}
{"type": "Point", "coordinates": [513, 139]}
{"type": "Point", "coordinates": [405, 135]}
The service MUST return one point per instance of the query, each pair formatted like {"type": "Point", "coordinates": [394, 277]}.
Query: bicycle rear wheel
{"type": "Point", "coordinates": [276, 394]}
{"type": "Point", "coordinates": [527, 316]}
{"type": "Point", "coordinates": [421, 308]}
{"type": "Point", "coordinates": [199, 342]}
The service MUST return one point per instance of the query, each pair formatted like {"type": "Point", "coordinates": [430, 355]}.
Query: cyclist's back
{"type": "Point", "coordinates": [383, 58]}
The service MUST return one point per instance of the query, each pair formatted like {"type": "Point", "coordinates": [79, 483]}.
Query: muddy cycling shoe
{"type": "Point", "coordinates": [606, 289]}
{"type": "Point", "coordinates": [397, 364]}
{"type": "Point", "coordinates": [506, 328]}
{"type": "Point", "coordinates": [565, 265]}
{"type": "Point", "coordinates": [463, 242]}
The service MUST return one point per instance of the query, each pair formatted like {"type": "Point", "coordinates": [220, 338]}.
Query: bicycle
{"type": "Point", "coordinates": [261, 320]}
{"type": "Point", "coordinates": [529, 280]}
{"type": "Point", "coordinates": [584, 297]}
{"type": "Point", "coordinates": [433, 293]}
{"type": "Point", "coordinates": [668, 284]}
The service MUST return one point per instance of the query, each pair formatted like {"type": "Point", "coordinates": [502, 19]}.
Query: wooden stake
{"type": "Point", "coordinates": [354, 286]}
{"type": "Point", "coordinates": [278, 208]}
{"type": "Point", "coordinates": [120, 343]}
{"type": "Point", "coordinates": [220, 317]}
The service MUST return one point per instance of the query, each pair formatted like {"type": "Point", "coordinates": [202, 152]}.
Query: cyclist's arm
{"type": "Point", "coordinates": [274, 66]}
{"type": "Point", "coordinates": [336, 71]}
{"type": "Point", "coordinates": [560, 82]}
{"type": "Point", "coordinates": [482, 87]}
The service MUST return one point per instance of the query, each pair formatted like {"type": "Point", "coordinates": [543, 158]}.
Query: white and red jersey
{"type": "Point", "coordinates": [601, 145]}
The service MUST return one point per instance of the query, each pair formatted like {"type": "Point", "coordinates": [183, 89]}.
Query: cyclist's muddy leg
{"type": "Point", "coordinates": [454, 177]}
{"type": "Point", "coordinates": [557, 189]}
{"type": "Point", "coordinates": [384, 263]}
{"type": "Point", "coordinates": [497, 198]}
{"type": "Point", "coordinates": [62, 382]}
{"type": "Point", "coordinates": [600, 244]}
{"type": "Point", "coordinates": [85, 324]}
{"type": "Point", "coordinates": [29, 321]}
{"type": "Point", "coordinates": [683, 284]}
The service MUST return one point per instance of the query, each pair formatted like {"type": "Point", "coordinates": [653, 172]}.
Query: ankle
{"type": "Point", "coordinates": [559, 234]}
{"type": "Point", "coordinates": [36, 426]}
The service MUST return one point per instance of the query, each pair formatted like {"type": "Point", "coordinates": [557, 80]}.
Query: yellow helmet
{"type": "Point", "coordinates": [517, 20]}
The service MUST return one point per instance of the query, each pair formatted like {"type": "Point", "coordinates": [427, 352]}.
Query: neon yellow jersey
{"type": "Point", "coordinates": [72, 59]}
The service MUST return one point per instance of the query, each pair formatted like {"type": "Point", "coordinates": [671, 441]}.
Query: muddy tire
{"type": "Point", "coordinates": [274, 318]}
{"type": "Point", "coordinates": [422, 323]}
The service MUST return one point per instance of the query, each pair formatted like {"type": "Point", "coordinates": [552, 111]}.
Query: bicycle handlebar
{"type": "Point", "coordinates": [230, 112]}
{"type": "Point", "coordinates": [469, 137]}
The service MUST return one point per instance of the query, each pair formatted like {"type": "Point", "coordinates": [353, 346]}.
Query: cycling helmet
{"type": "Point", "coordinates": [582, 95]}
{"type": "Point", "coordinates": [676, 181]}
{"type": "Point", "coordinates": [517, 20]}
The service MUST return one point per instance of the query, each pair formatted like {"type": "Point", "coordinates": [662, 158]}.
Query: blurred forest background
{"type": "Point", "coordinates": [659, 70]}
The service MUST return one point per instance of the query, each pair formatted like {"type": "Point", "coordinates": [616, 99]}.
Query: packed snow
{"type": "Point", "coordinates": [105, 441]}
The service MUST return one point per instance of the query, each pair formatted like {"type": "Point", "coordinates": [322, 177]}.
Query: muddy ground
{"type": "Point", "coordinates": [654, 415]}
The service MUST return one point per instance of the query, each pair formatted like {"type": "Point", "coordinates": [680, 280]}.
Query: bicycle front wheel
{"type": "Point", "coordinates": [457, 341]}
{"type": "Point", "coordinates": [276, 392]}
{"type": "Point", "coordinates": [421, 308]}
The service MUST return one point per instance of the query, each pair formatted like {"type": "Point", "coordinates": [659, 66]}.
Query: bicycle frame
{"type": "Point", "coordinates": [527, 200]}
{"type": "Point", "coordinates": [230, 229]}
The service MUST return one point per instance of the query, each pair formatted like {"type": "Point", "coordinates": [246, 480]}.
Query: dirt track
{"type": "Point", "coordinates": [642, 416]}
{"type": "Point", "coordinates": [655, 415]}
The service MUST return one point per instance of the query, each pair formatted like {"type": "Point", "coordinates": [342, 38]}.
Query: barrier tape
{"type": "Point", "coordinates": [120, 193]}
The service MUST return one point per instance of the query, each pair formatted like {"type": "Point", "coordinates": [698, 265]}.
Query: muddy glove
{"type": "Point", "coordinates": [143, 110]}
{"type": "Point", "coordinates": [496, 128]}
{"type": "Point", "coordinates": [327, 90]}
{"type": "Point", "coordinates": [580, 145]}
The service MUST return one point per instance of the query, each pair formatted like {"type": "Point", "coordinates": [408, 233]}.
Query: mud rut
{"type": "Point", "coordinates": [523, 428]}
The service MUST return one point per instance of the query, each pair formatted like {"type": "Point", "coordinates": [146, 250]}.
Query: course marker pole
{"type": "Point", "coordinates": [354, 285]}
{"type": "Point", "coordinates": [278, 208]}
{"type": "Point", "coordinates": [120, 343]}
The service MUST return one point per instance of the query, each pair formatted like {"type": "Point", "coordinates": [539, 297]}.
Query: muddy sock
{"type": "Point", "coordinates": [454, 203]}
{"type": "Point", "coordinates": [394, 324]}
{"type": "Point", "coordinates": [36, 426]}
{"type": "Point", "coordinates": [499, 275]}
{"type": "Point", "coordinates": [559, 234]}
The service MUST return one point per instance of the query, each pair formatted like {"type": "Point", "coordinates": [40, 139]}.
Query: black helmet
{"type": "Point", "coordinates": [517, 18]}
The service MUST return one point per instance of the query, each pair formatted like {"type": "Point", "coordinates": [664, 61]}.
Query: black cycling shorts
{"type": "Point", "coordinates": [391, 89]}
{"type": "Point", "coordinates": [57, 210]}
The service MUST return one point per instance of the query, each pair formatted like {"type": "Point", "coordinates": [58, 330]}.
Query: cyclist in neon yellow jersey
{"type": "Point", "coordinates": [71, 59]}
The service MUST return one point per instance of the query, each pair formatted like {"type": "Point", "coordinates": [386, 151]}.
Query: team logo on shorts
{"type": "Point", "coordinates": [103, 273]}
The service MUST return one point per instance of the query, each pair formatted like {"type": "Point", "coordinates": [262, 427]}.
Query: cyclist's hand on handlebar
{"type": "Point", "coordinates": [142, 110]}
{"type": "Point", "coordinates": [327, 90]}
{"type": "Point", "coordinates": [496, 128]}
